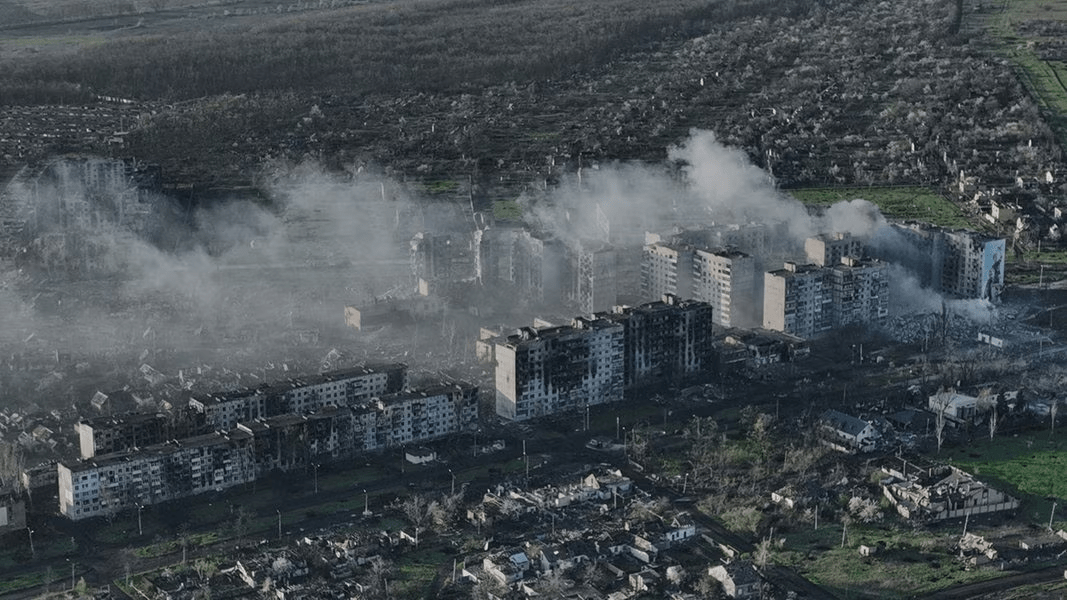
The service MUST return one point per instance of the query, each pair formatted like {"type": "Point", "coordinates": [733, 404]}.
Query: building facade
{"type": "Point", "coordinates": [809, 300]}
{"type": "Point", "coordinates": [109, 483]}
{"type": "Point", "coordinates": [549, 370]}
{"type": "Point", "coordinates": [300, 395]}
{"type": "Point", "coordinates": [666, 342]}
{"type": "Point", "coordinates": [964, 264]}
{"type": "Point", "coordinates": [727, 279]}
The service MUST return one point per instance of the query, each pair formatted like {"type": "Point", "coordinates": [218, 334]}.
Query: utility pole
{"type": "Point", "coordinates": [1050, 515]}
{"type": "Point", "coordinates": [453, 492]}
{"type": "Point", "coordinates": [33, 553]}
{"type": "Point", "coordinates": [366, 503]}
{"type": "Point", "coordinates": [279, 522]}
{"type": "Point", "coordinates": [316, 468]}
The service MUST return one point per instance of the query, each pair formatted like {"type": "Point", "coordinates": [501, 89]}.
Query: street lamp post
{"type": "Point", "coordinates": [33, 553]}
{"type": "Point", "coordinates": [140, 529]}
{"type": "Point", "coordinates": [316, 467]}
{"type": "Point", "coordinates": [366, 503]}
{"type": "Point", "coordinates": [453, 492]}
{"type": "Point", "coordinates": [279, 522]}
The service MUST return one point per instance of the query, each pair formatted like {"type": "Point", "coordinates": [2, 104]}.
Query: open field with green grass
{"type": "Point", "coordinates": [415, 571]}
{"type": "Point", "coordinates": [909, 562]}
{"type": "Point", "coordinates": [906, 203]}
{"type": "Point", "coordinates": [1031, 466]}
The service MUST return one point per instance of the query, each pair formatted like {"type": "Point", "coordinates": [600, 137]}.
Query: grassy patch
{"type": "Point", "coordinates": [908, 203]}
{"type": "Point", "coordinates": [22, 582]}
{"type": "Point", "coordinates": [442, 186]}
{"type": "Point", "coordinates": [1032, 466]}
{"type": "Point", "coordinates": [415, 571]}
{"type": "Point", "coordinates": [507, 210]}
{"type": "Point", "coordinates": [911, 562]}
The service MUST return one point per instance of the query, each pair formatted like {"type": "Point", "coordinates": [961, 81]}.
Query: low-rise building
{"type": "Point", "coordinates": [847, 433]}
{"type": "Point", "coordinates": [739, 578]}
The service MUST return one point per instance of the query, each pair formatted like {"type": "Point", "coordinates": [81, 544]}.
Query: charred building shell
{"type": "Point", "coordinates": [186, 467]}
{"type": "Point", "coordinates": [595, 360]}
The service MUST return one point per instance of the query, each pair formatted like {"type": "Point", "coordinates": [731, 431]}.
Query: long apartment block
{"type": "Point", "coordinates": [109, 483]}
{"type": "Point", "coordinates": [299, 395]}
{"type": "Point", "coordinates": [215, 461]}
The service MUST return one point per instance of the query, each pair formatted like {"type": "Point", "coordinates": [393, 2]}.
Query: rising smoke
{"type": "Point", "coordinates": [236, 280]}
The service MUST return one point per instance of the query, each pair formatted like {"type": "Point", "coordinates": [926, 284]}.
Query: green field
{"type": "Point", "coordinates": [1031, 466]}
{"type": "Point", "coordinates": [906, 203]}
{"type": "Point", "coordinates": [912, 562]}
{"type": "Point", "coordinates": [507, 210]}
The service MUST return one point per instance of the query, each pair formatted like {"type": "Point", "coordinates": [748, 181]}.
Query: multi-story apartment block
{"type": "Point", "coordinates": [964, 264]}
{"type": "Point", "coordinates": [595, 287]}
{"type": "Point", "coordinates": [541, 371]}
{"type": "Point", "coordinates": [860, 292]}
{"type": "Point", "coordinates": [177, 469]}
{"type": "Point", "coordinates": [548, 370]}
{"type": "Point", "coordinates": [421, 415]}
{"type": "Point", "coordinates": [299, 395]}
{"type": "Point", "coordinates": [667, 269]}
{"type": "Point", "coordinates": [443, 257]}
{"type": "Point", "coordinates": [809, 300]}
{"type": "Point", "coordinates": [666, 341]}
{"type": "Point", "coordinates": [725, 278]}
{"type": "Point", "coordinates": [828, 249]}
{"type": "Point", "coordinates": [536, 267]}
{"type": "Point", "coordinates": [795, 300]}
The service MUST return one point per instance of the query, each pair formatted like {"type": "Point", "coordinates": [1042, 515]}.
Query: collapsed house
{"type": "Point", "coordinates": [942, 492]}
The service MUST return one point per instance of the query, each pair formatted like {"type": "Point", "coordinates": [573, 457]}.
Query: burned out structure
{"type": "Point", "coordinates": [331, 417]}
{"type": "Point", "coordinates": [76, 206]}
{"type": "Point", "coordinates": [809, 300]}
{"type": "Point", "coordinates": [942, 492]}
{"type": "Point", "coordinates": [960, 263]}
{"type": "Point", "coordinates": [106, 435]}
{"type": "Point", "coordinates": [595, 360]}
{"type": "Point", "coordinates": [299, 395]}
{"type": "Point", "coordinates": [545, 371]}
{"type": "Point", "coordinates": [107, 484]}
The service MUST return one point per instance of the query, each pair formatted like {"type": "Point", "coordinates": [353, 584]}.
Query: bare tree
{"type": "Point", "coordinates": [376, 578]}
{"type": "Point", "coordinates": [1052, 410]}
{"type": "Point", "coordinates": [762, 556]}
{"type": "Point", "coordinates": [416, 509]}
{"type": "Point", "coordinates": [941, 402]}
{"type": "Point", "coordinates": [993, 422]}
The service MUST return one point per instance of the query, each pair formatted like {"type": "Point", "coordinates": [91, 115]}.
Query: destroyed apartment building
{"type": "Point", "coordinates": [963, 264]}
{"type": "Point", "coordinates": [810, 300]}
{"type": "Point", "coordinates": [542, 371]}
{"type": "Point", "coordinates": [336, 423]}
{"type": "Point", "coordinates": [942, 492]}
